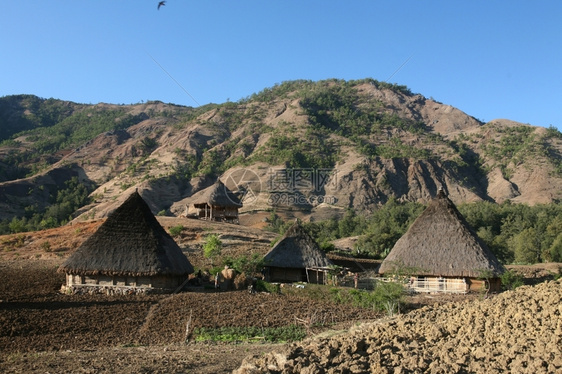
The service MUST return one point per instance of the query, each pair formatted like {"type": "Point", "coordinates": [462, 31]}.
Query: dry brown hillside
{"type": "Point", "coordinates": [335, 144]}
{"type": "Point", "coordinates": [54, 244]}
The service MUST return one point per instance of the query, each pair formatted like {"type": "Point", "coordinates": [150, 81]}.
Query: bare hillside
{"type": "Point", "coordinates": [314, 147]}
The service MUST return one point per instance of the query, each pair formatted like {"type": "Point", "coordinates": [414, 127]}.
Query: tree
{"type": "Point", "coordinates": [249, 265]}
{"type": "Point", "coordinates": [556, 249]}
{"type": "Point", "coordinates": [525, 247]}
{"type": "Point", "coordinates": [511, 280]}
{"type": "Point", "coordinates": [276, 223]}
{"type": "Point", "coordinates": [17, 225]}
{"type": "Point", "coordinates": [347, 225]}
{"type": "Point", "coordinates": [212, 247]}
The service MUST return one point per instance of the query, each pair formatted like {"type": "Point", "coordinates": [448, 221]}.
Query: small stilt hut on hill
{"type": "Point", "coordinates": [130, 252]}
{"type": "Point", "coordinates": [296, 258]}
{"type": "Point", "coordinates": [442, 253]}
{"type": "Point", "coordinates": [218, 203]}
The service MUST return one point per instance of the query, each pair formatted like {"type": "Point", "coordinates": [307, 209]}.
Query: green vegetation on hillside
{"type": "Point", "coordinates": [339, 107]}
{"type": "Point", "coordinates": [336, 107]}
{"type": "Point", "coordinates": [47, 126]}
{"type": "Point", "coordinates": [516, 233]}
{"type": "Point", "coordinates": [26, 112]}
{"type": "Point", "coordinates": [63, 205]}
{"type": "Point", "coordinates": [331, 117]}
{"type": "Point", "coordinates": [313, 151]}
{"type": "Point", "coordinates": [74, 130]}
{"type": "Point", "coordinates": [378, 232]}
{"type": "Point", "coordinates": [508, 147]}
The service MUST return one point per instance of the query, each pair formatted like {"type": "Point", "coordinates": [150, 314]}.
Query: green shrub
{"type": "Point", "coordinates": [249, 265]}
{"type": "Point", "coordinates": [388, 297]}
{"type": "Point", "coordinates": [46, 246]}
{"type": "Point", "coordinates": [510, 280]}
{"type": "Point", "coordinates": [212, 247]}
{"type": "Point", "coordinates": [176, 230]}
{"type": "Point", "coordinates": [263, 286]}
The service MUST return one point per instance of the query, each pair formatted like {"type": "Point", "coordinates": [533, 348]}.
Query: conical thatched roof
{"type": "Point", "coordinates": [217, 195]}
{"type": "Point", "coordinates": [129, 242]}
{"type": "Point", "coordinates": [296, 249]}
{"type": "Point", "coordinates": [441, 243]}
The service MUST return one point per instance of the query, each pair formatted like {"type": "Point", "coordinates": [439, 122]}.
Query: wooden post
{"type": "Point", "coordinates": [186, 338]}
{"type": "Point", "coordinates": [181, 286]}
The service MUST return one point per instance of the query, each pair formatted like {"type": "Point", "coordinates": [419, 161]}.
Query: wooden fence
{"type": "Point", "coordinates": [443, 285]}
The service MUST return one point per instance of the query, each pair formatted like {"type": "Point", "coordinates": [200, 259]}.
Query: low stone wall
{"type": "Point", "coordinates": [108, 290]}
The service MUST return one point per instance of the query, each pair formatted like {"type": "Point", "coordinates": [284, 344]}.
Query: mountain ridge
{"type": "Point", "coordinates": [374, 140]}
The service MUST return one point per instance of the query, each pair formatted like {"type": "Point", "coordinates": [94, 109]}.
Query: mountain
{"type": "Point", "coordinates": [313, 147]}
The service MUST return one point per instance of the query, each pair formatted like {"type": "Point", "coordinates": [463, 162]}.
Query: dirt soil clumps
{"type": "Point", "coordinates": [42, 330]}
{"type": "Point", "coordinates": [517, 331]}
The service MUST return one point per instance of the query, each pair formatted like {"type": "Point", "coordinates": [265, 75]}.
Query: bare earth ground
{"type": "Point", "coordinates": [44, 331]}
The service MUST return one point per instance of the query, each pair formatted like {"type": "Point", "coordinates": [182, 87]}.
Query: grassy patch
{"type": "Point", "coordinates": [249, 334]}
{"type": "Point", "coordinates": [387, 297]}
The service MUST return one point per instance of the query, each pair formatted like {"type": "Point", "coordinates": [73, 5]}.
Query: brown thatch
{"type": "Point", "coordinates": [297, 250]}
{"type": "Point", "coordinates": [130, 242]}
{"type": "Point", "coordinates": [441, 243]}
{"type": "Point", "coordinates": [217, 195]}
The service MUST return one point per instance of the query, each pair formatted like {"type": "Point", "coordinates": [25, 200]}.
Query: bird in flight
{"type": "Point", "coordinates": [160, 4]}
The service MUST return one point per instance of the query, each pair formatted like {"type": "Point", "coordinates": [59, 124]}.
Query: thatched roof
{"type": "Point", "coordinates": [130, 242]}
{"type": "Point", "coordinates": [217, 195]}
{"type": "Point", "coordinates": [296, 249]}
{"type": "Point", "coordinates": [441, 243]}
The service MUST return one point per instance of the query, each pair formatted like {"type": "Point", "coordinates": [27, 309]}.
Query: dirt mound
{"type": "Point", "coordinates": [518, 331]}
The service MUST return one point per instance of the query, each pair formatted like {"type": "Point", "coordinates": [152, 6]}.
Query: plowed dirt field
{"type": "Point", "coordinates": [45, 331]}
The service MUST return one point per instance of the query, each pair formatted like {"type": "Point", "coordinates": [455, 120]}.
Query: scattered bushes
{"type": "Point", "coordinates": [387, 297]}
{"type": "Point", "coordinates": [65, 202]}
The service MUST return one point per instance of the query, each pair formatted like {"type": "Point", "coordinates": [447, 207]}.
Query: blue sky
{"type": "Point", "coordinates": [491, 59]}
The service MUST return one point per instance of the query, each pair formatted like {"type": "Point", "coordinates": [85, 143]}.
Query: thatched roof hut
{"type": "Point", "coordinates": [440, 244]}
{"type": "Point", "coordinates": [130, 249]}
{"type": "Point", "coordinates": [217, 203]}
{"type": "Point", "coordinates": [295, 258]}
